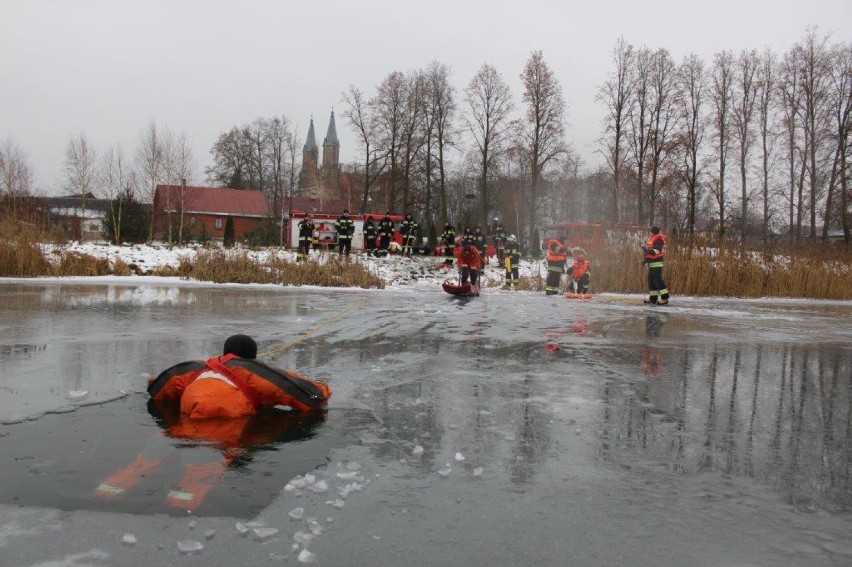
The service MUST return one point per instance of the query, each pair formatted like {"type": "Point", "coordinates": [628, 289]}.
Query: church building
{"type": "Point", "coordinates": [315, 180]}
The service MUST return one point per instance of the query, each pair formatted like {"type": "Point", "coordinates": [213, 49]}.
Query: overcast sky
{"type": "Point", "coordinates": [107, 68]}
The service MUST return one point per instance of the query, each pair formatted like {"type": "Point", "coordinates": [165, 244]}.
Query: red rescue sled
{"type": "Point", "coordinates": [454, 287]}
{"type": "Point", "coordinates": [570, 295]}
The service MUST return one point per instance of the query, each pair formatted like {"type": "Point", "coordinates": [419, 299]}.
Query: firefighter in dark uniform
{"type": "Point", "coordinates": [512, 258]}
{"type": "Point", "coordinates": [556, 256]}
{"type": "Point", "coordinates": [655, 254]}
{"type": "Point", "coordinates": [345, 229]}
{"type": "Point", "coordinates": [408, 228]}
{"type": "Point", "coordinates": [467, 236]}
{"type": "Point", "coordinates": [386, 230]}
{"type": "Point", "coordinates": [481, 243]}
{"type": "Point", "coordinates": [306, 234]}
{"type": "Point", "coordinates": [449, 239]}
{"type": "Point", "coordinates": [500, 241]}
{"type": "Point", "coordinates": [370, 233]}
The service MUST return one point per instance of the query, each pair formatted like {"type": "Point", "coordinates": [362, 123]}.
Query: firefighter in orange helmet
{"type": "Point", "coordinates": [580, 273]}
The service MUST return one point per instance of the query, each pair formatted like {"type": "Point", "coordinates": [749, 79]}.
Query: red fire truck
{"type": "Point", "coordinates": [325, 233]}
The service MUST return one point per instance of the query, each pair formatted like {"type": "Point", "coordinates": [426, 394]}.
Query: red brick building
{"type": "Point", "coordinates": [205, 211]}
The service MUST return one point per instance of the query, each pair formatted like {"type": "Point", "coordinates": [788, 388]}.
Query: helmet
{"type": "Point", "coordinates": [655, 230]}
{"type": "Point", "coordinates": [512, 238]}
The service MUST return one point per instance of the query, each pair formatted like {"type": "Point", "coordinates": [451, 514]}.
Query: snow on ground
{"type": "Point", "coordinates": [396, 271]}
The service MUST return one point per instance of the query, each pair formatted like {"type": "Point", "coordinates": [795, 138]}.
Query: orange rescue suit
{"type": "Point", "coordinates": [229, 386]}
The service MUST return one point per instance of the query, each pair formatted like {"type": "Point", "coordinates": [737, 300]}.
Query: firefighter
{"type": "Point", "coordinates": [449, 239]}
{"type": "Point", "coordinates": [655, 254]}
{"type": "Point", "coordinates": [232, 390]}
{"type": "Point", "coordinates": [345, 229]}
{"type": "Point", "coordinates": [470, 264]}
{"type": "Point", "coordinates": [408, 228]}
{"type": "Point", "coordinates": [370, 233]}
{"type": "Point", "coordinates": [235, 384]}
{"type": "Point", "coordinates": [580, 273]}
{"type": "Point", "coordinates": [500, 241]}
{"type": "Point", "coordinates": [306, 235]}
{"type": "Point", "coordinates": [479, 239]}
{"type": "Point", "coordinates": [512, 259]}
{"type": "Point", "coordinates": [467, 236]}
{"type": "Point", "coordinates": [556, 256]}
{"type": "Point", "coordinates": [386, 230]}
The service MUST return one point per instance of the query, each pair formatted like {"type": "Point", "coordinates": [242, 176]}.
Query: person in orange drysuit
{"type": "Point", "coordinates": [470, 263]}
{"type": "Point", "coordinates": [580, 273]}
{"type": "Point", "coordinates": [221, 401]}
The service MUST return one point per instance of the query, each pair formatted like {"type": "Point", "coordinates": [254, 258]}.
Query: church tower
{"type": "Point", "coordinates": [331, 147]}
{"type": "Point", "coordinates": [308, 176]}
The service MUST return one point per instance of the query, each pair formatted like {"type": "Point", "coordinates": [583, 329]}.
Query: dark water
{"type": "Point", "coordinates": [61, 459]}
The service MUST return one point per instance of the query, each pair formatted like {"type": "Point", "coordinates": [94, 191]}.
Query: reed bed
{"type": "Point", "coordinates": [236, 266]}
{"type": "Point", "coordinates": [732, 270]}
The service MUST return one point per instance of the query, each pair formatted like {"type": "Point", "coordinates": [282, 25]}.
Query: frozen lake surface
{"type": "Point", "coordinates": [502, 430]}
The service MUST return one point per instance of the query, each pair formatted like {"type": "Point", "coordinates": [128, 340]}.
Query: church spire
{"type": "Point", "coordinates": [331, 134]}
{"type": "Point", "coordinates": [311, 143]}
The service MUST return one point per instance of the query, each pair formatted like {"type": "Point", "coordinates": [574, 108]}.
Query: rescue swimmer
{"type": "Point", "coordinates": [227, 401]}
{"type": "Point", "coordinates": [236, 385]}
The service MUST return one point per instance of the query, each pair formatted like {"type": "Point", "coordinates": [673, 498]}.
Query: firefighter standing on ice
{"type": "Point", "coordinates": [556, 256]}
{"type": "Point", "coordinates": [512, 258]}
{"type": "Point", "coordinates": [655, 254]}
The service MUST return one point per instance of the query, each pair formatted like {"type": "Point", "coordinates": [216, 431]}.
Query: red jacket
{"type": "Point", "coordinates": [471, 258]}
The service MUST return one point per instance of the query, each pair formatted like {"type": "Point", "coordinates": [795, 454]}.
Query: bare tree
{"type": "Point", "coordinates": [542, 131]}
{"type": "Point", "coordinates": [412, 131]}
{"type": "Point", "coordinates": [81, 172]}
{"type": "Point", "coordinates": [231, 162]}
{"type": "Point", "coordinates": [440, 128]}
{"type": "Point", "coordinates": [489, 103]}
{"type": "Point", "coordinates": [691, 136]}
{"type": "Point", "coordinates": [617, 95]}
{"type": "Point", "coordinates": [149, 165]}
{"type": "Point", "coordinates": [664, 117]}
{"type": "Point", "coordinates": [814, 60]}
{"type": "Point", "coordinates": [766, 83]}
{"type": "Point", "coordinates": [116, 181]}
{"type": "Point", "coordinates": [721, 95]}
{"type": "Point", "coordinates": [16, 173]}
{"type": "Point", "coordinates": [795, 138]}
{"type": "Point", "coordinates": [742, 115]}
{"type": "Point", "coordinates": [282, 145]}
{"type": "Point", "coordinates": [840, 105]}
{"type": "Point", "coordinates": [360, 119]}
{"type": "Point", "coordinates": [388, 109]}
{"type": "Point", "coordinates": [639, 136]}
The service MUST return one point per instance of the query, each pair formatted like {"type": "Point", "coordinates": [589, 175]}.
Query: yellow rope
{"type": "Point", "coordinates": [313, 329]}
